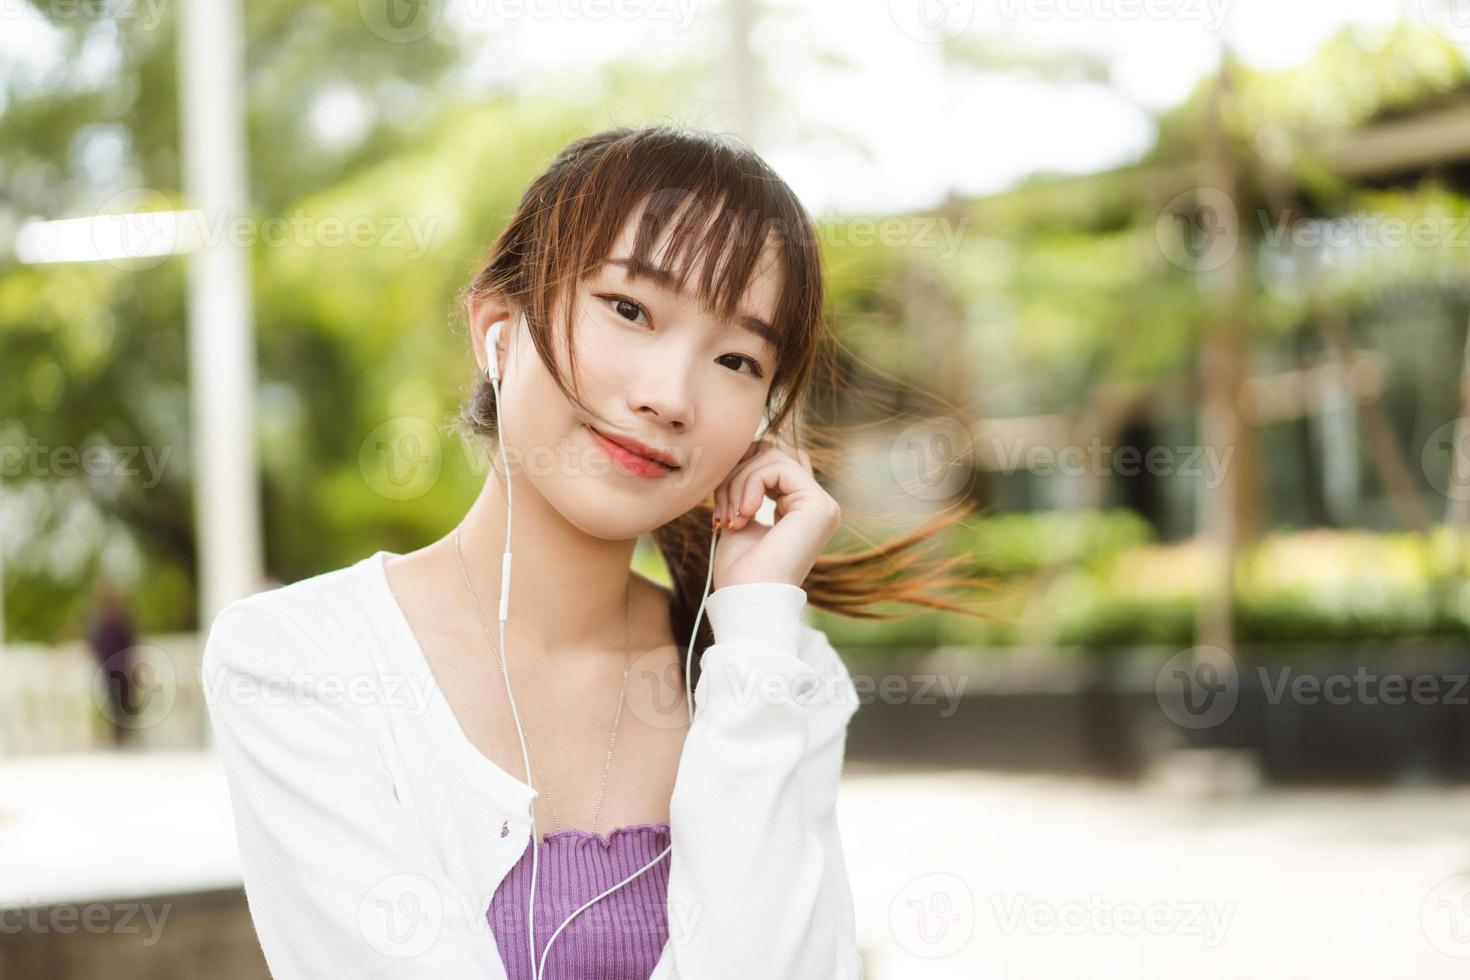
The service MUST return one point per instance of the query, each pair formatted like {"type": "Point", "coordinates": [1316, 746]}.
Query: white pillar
{"type": "Point", "coordinates": [221, 345]}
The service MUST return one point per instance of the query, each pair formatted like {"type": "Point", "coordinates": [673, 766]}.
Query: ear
{"type": "Point", "coordinates": [483, 314]}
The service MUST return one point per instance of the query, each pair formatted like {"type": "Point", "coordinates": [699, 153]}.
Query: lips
{"type": "Point", "coordinates": [634, 455]}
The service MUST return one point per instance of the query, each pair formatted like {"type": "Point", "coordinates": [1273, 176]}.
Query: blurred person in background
{"type": "Point", "coordinates": [112, 638]}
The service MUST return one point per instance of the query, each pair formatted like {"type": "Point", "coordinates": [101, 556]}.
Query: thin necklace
{"type": "Point", "coordinates": [617, 715]}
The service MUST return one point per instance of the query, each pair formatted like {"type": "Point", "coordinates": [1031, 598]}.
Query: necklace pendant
{"type": "Point", "coordinates": [505, 828]}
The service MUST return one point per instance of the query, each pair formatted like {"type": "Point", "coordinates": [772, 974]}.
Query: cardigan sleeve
{"type": "Point", "coordinates": [339, 879]}
{"type": "Point", "coordinates": [758, 885]}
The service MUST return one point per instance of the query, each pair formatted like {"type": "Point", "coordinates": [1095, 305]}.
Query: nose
{"type": "Point", "coordinates": [663, 392]}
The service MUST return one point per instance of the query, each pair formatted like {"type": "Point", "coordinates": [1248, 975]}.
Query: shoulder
{"type": "Point", "coordinates": [290, 626]}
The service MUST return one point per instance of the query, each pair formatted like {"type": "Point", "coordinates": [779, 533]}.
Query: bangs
{"type": "Point", "coordinates": [705, 239]}
{"type": "Point", "coordinates": [710, 217]}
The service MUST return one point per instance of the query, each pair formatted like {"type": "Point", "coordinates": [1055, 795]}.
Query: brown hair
{"type": "Point", "coordinates": [717, 199]}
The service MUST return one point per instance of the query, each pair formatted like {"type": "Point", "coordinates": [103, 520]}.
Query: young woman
{"type": "Point", "coordinates": [420, 754]}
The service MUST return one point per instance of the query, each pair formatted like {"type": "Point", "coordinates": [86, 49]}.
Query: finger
{"type": "Point", "coordinates": [775, 442]}
{"type": "Point", "coordinates": [800, 455]}
{"type": "Point", "coordinates": [751, 491]}
{"type": "Point", "coordinates": [723, 508]}
{"type": "Point", "coordinates": [727, 503]}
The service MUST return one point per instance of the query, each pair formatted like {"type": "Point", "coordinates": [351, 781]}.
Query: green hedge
{"type": "Point", "coordinates": [1117, 589]}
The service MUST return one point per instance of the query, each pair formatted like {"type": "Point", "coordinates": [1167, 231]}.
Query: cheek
{"type": "Point", "coordinates": [603, 354]}
{"type": "Point", "coordinates": [724, 448]}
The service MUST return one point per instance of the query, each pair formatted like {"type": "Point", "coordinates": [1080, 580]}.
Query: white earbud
{"type": "Point", "coordinates": [492, 341]}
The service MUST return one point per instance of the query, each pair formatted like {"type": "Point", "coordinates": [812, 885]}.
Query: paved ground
{"type": "Point", "coordinates": [955, 874]}
{"type": "Point", "coordinates": [975, 875]}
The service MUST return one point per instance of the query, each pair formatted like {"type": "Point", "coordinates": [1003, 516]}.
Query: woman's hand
{"type": "Point", "coordinates": [806, 517]}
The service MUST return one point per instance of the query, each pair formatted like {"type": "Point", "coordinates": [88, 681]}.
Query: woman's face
{"type": "Point", "coordinates": [656, 368]}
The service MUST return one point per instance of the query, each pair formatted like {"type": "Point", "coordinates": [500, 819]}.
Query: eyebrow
{"type": "Point", "coordinates": [663, 277]}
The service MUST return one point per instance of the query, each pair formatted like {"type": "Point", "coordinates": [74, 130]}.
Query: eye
{"type": "Point", "coordinates": [755, 368]}
{"type": "Point", "coordinates": [621, 304]}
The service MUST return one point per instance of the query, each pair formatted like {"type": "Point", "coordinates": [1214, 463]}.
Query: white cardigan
{"type": "Point", "coordinates": [370, 827]}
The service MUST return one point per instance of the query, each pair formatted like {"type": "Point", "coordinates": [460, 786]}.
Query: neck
{"type": "Point", "coordinates": [569, 591]}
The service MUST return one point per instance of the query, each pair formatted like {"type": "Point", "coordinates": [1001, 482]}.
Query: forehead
{"type": "Point", "coordinates": [758, 301]}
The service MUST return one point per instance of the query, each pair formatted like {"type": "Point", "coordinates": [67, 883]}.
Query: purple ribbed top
{"type": "Point", "coordinates": [619, 937]}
